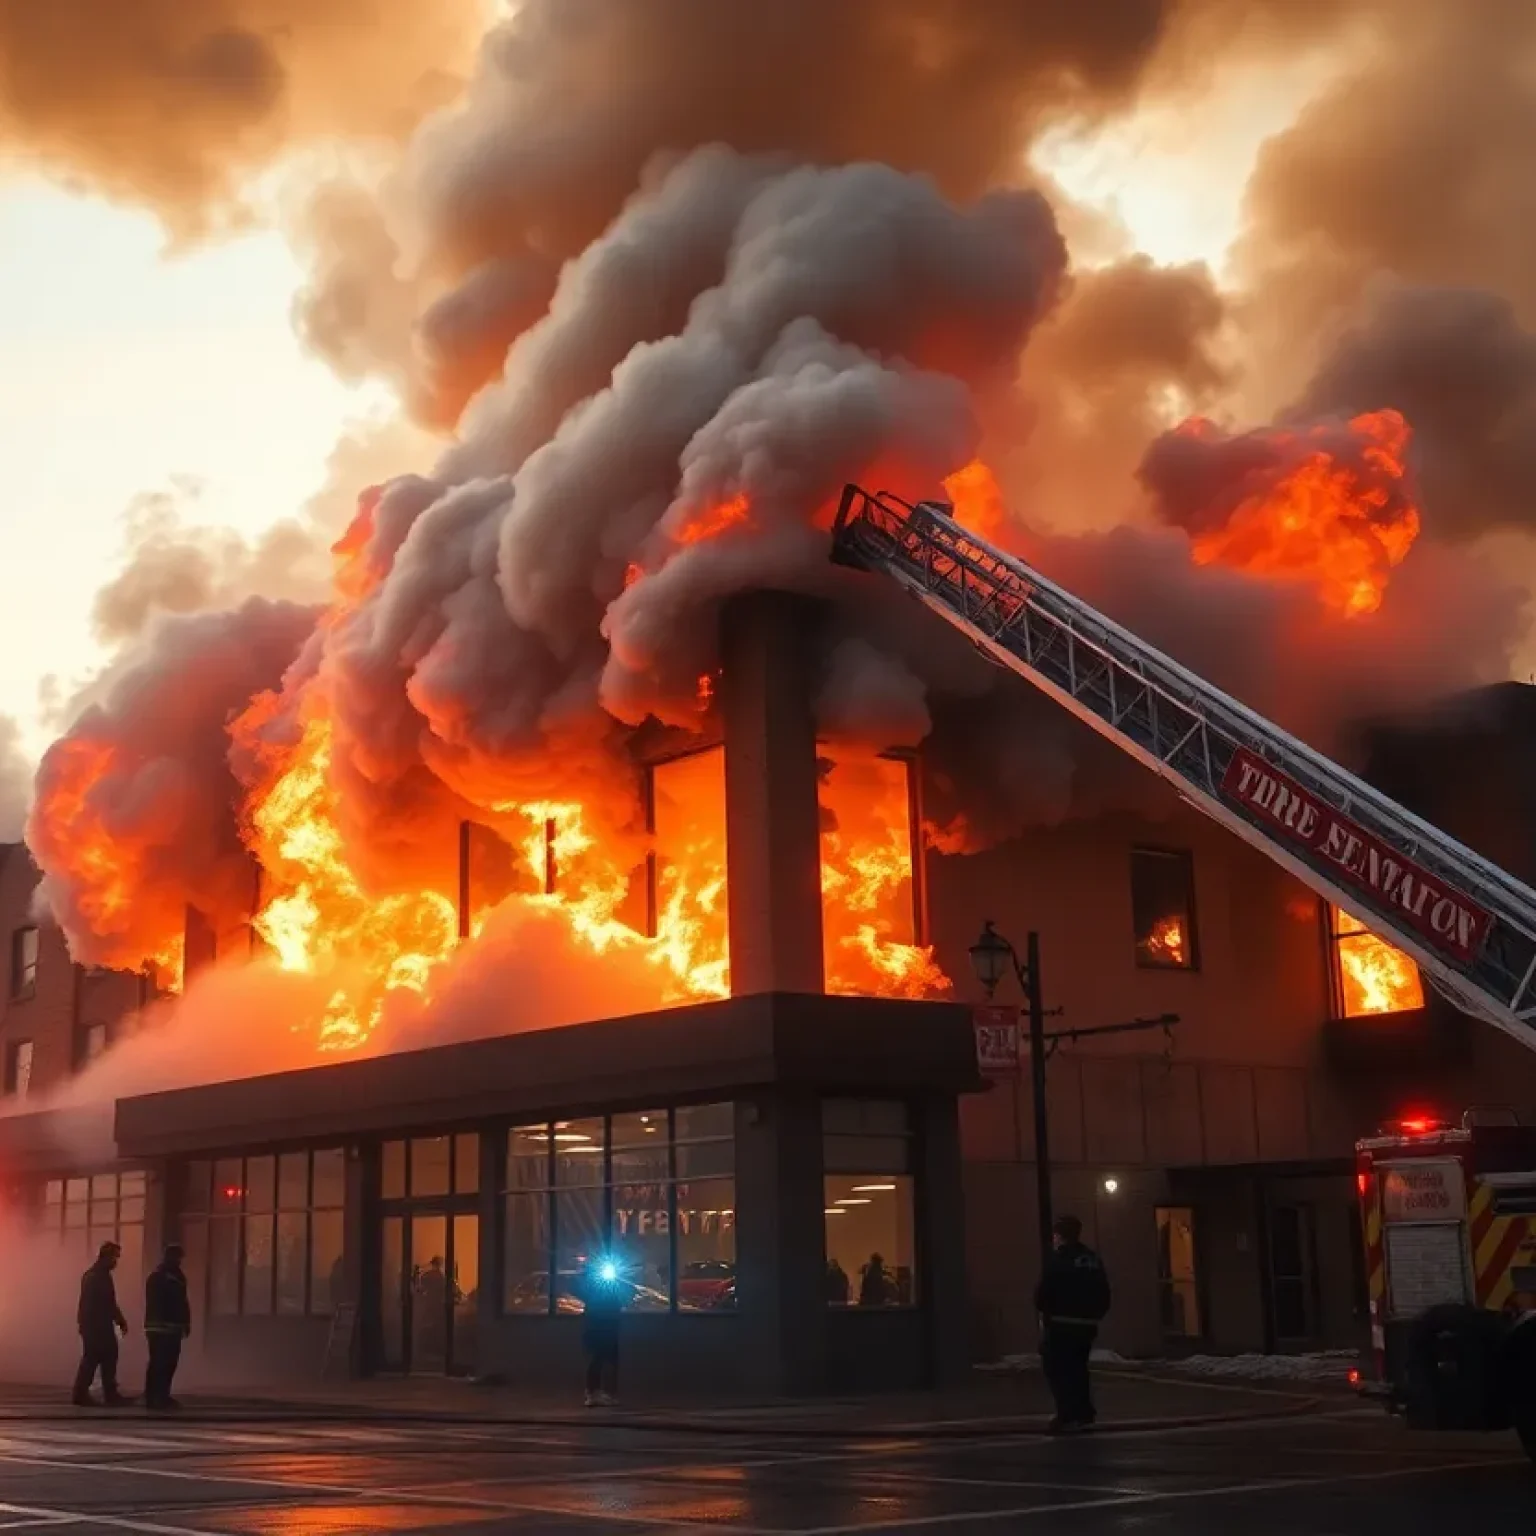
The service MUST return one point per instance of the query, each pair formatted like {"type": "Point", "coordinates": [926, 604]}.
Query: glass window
{"type": "Point", "coordinates": [92, 1043]}
{"type": "Point", "coordinates": [53, 1192]}
{"type": "Point", "coordinates": [870, 1240]}
{"type": "Point", "coordinates": [224, 1267]}
{"type": "Point", "coordinates": [430, 1174]}
{"type": "Point", "coordinates": [131, 1211]}
{"type": "Point", "coordinates": [197, 1186]}
{"type": "Point", "coordinates": [643, 1129]}
{"type": "Point", "coordinates": [527, 1252]}
{"type": "Point", "coordinates": [1370, 975]}
{"type": "Point", "coordinates": [228, 1186]}
{"type": "Point", "coordinates": [394, 1170]}
{"type": "Point", "coordinates": [194, 1243]}
{"type": "Point", "coordinates": [256, 1298]}
{"type": "Point", "coordinates": [579, 1151]}
{"type": "Point", "coordinates": [18, 1068]}
{"type": "Point", "coordinates": [330, 1178]}
{"type": "Point", "coordinates": [528, 1157]}
{"type": "Point", "coordinates": [292, 1242]}
{"type": "Point", "coordinates": [133, 1182]}
{"type": "Point", "coordinates": [1163, 908]}
{"type": "Point", "coordinates": [293, 1181]}
{"type": "Point", "coordinates": [326, 1286]}
{"type": "Point", "coordinates": [688, 872]}
{"type": "Point", "coordinates": [706, 1245]}
{"type": "Point", "coordinates": [869, 904]}
{"type": "Point", "coordinates": [130, 1265]}
{"type": "Point", "coordinates": [580, 1232]}
{"type": "Point", "coordinates": [24, 952]}
{"type": "Point", "coordinates": [260, 1184]}
{"type": "Point", "coordinates": [466, 1163]}
{"type": "Point", "coordinates": [704, 1122]}
{"type": "Point", "coordinates": [1176, 1272]}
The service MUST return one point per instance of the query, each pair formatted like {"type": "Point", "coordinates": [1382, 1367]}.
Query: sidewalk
{"type": "Point", "coordinates": [1014, 1404]}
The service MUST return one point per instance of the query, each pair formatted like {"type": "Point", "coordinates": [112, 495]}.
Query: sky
{"type": "Point", "coordinates": [128, 367]}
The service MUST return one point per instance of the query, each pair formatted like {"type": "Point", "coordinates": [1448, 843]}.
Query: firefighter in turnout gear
{"type": "Point", "coordinates": [98, 1315]}
{"type": "Point", "coordinates": [1072, 1299]}
{"type": "Point", "coordinates": [167, 1321]}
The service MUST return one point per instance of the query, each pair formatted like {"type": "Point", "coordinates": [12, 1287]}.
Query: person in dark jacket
{"type": "Point", "coordinates": [97, 1316]}
{"type": "Point", "coordinates": [604, 1291]}
{"type": "Point", "coordinates": [1072, 1299]}
{"type": "Point", "coordinates": [167, 1321]}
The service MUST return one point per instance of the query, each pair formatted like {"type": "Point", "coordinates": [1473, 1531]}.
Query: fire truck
{"type": "Point", "coordinates": [1448, 1214]}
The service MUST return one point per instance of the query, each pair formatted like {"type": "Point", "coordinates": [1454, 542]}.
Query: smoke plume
{"type": "Point", "coordinates": [135, 815]}
{"type": "Point", "coordinates": [175, 105]}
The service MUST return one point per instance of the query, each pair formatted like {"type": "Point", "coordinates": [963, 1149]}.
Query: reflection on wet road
{"type": "Point", "coordinates": [1339, 1472]}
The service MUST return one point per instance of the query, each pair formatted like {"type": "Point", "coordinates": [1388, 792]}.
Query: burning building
{"type": "Point", "coordinates": [595, 865]}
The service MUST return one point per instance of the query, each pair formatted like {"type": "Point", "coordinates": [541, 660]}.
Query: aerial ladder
{"type": "Point", "coordinates": [1470, 926]}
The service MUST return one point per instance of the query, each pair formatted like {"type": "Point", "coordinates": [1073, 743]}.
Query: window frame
{"type": "Point", "coordinates": [16, 1084]}
{"type": "Point", "coordinates": [239, 1217]}
{"type": "Point", "coordinates": [23, 977]}
{"type": "Point", "coordinates": [1329, 916]}
{"type": "Point", "coordinates": [902, 1160]}
{"type": "Point", "coordinates": [1185, 857]}
{"type": "Point", "coordinates": [553, 1189]}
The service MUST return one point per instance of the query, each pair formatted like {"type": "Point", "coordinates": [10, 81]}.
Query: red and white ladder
{"type": "Point", "coordinates": [1470, 926]}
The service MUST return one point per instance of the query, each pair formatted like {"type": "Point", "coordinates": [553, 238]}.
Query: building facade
{"type": "Point", "coordinates": [753, 1158]}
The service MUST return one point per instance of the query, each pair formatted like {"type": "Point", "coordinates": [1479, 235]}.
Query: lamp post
{"type": "Point", "coordinates": [992, 957]}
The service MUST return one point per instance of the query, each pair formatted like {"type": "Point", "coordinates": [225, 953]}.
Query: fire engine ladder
{"type": "Point", "coordinates": [1187, 731]}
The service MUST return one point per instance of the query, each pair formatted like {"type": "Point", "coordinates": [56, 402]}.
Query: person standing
{"type": "Point", "coordinates": [603, 1291]}
{"type": "Point", "coordinates": [96, 1317]}
{"type": "Point", "coordinates": [1072, 1299]}
{"type": "Point", "coordinates": [167, 1321]}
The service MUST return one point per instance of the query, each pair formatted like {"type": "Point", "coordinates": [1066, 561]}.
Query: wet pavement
{"type": "Point", "coordinates": [1334, 1469]}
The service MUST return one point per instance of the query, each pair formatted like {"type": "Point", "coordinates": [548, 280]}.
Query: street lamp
{"type": "Point", "coordinates": [992, 957]}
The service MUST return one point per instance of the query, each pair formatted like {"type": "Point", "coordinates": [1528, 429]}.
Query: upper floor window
{"type": "Point", "coordinates": [1163, 908]}
{"type": "Point", "coordinates": [24, 951]}
{"type": "Point", "coordinates": [93, 1042]}
{"type": "Point", "coordinates": [1369, 974]}
{"type": "Point", "coordinates": [18, 1068]}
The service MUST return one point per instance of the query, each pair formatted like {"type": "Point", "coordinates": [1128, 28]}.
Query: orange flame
{"type": "Point", "coordinates": [977, 502]}
{"type": "Point", "coordinates": [1166, 943]}
{"type": "Point", "coordinates": [869, 911]}
{"type": "Point", "coordinates": [1323, 522]}
{"type": "Point", "coordinates": [1374, 976]}
{"type": "Point", "coordinates": [714, 520]}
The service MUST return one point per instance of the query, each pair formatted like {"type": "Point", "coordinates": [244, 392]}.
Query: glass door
{"type": "Point", "coordinates": [430, 1296]}
{"type": "Point", "coordinates": [392, 1354]}
{"type": "Point", "coordinates": [465, 1292]}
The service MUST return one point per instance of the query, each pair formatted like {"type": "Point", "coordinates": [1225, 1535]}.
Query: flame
{"type": "Point", "coordinates": [1374, 976]}
{"type": "Point", "coordinates": [1166, 943]}
{"type": "Point", "coordinates": [869, 911]}
{"type": "Point", "coordinates": [714, 520]}
{"type": "Point", "coordinates": [977, 501]}
{"type": "Point", "coordinates": [320, 920]}
{"type": "Point", "coordinates": [1325, 521]}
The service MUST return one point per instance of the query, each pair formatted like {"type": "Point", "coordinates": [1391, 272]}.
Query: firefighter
{"type": "Point", "coordinates": [167, 1321]}
{"type": "Point", "coordinates": [604, 1292]}
{"type": "Point", "coordinates": [1072, 1299]}
{"type": "Point", "coordinates": [96, 1317]}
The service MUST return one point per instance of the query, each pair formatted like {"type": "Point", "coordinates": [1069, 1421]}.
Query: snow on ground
{"type": "Point", "coordinates": [1324, 1365]}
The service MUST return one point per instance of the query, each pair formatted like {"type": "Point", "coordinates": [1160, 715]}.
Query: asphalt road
{"type": "Point", "coordinates": [1338, 1472]}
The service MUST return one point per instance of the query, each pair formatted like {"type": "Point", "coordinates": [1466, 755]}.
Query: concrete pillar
{"type": "Point", "coordinates": [941, 1277]}
{"type": "Point", "coordinates": [773, 839]}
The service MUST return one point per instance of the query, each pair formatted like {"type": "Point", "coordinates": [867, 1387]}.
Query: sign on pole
{"type": "Point", "coordinates": [997, 1039]}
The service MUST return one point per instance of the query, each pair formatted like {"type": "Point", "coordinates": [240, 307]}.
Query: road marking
{"type": "Point", "coordinates": [1173, 1496]}
{"type": "Point", "coordinates": [39, 1515]}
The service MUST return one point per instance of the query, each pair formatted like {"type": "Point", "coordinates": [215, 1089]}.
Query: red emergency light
{"type": "Point", "coordinates": [1419, 1125]}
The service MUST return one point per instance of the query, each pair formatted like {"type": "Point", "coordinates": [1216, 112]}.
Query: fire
{"type": "Point", "coordinates": [1338, 526]}
{"type": "Point", "coordinates": [1374, 976]}
{"type": "Point", "coordinates": [1166, 944]}
{"type": "Point", "coordinates": [977, 501]}
{"type": "Point", "coordinates": [868, 903]}
{"type": "Point", "coordinates": [714, 521]}
{"type": "Point", "coordinates": [319, 920]}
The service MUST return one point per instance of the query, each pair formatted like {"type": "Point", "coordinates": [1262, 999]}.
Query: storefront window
{"type": "Point", "coordinates": [105, 1208]}
{"type": "Point", "coordinates": [273, 1235]}
{"type": "Point", "coordinates": [868, 1204]}
{"type": "Point", "coordinates": [654, 1189]}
